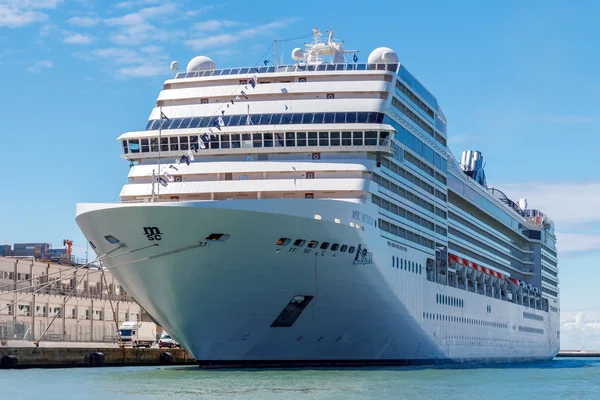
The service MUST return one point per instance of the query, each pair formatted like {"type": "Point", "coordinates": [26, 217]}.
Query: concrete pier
{"type": "Point", "coordinates": [52, 357]}
{"type": "Point", "coordinates": [576, 353]}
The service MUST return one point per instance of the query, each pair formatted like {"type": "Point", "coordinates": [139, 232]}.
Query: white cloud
{"type": "Point", "coordinates": [129, 62]}
{"type": "Point", "coordinates": [580, 330]}
{"type": "Point", "coordinates": [564, 202]}
{"type": "Point", "coordinates": [84, 21]}
{"type": "Point", "coordinates": [12, 17]}
{"type": "Point", "coordinates": [137, 28]}
{"type": "Point", "coordinates": [144, 70]}
{"type": "Point", "coordinates": [18, 13]}
{"type": "Point", "coordinates": [213, 25]}
{"type": "Point", "coordinates": [77, 38]}
{"type": "Point", "coordinates": [151, 49]}
{"type": "Point", "coordinates": [207, 42]}
{"type": "Point", "coordinates": [39, 65]}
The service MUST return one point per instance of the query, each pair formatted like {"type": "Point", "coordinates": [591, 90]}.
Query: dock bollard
{"type": "Point", "coordinates": [166, 358]}
{"type": "Point", "coordinates": [96, 359]}
{"type": "Point", "coordinates": [7, 362]}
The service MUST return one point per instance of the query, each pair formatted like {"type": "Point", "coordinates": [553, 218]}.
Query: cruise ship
{"type": "Point", "coordinates": [311, 213]}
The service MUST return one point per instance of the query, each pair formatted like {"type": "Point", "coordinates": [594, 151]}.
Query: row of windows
{"type": "Point", "coordinates": [403, 233]}
{"type": "Point", "coordinates": [548, 249]}
{"type": "Point", "coordinates": [314, 244]}
{"type": "Point", "coordinates": [550, 281]}
{"type": "Point", "coordinates": [289, 68]}
{"type": "Point", "coordinates": [464, 320]}
{"type": "Point", "coordinates": [550, 271]}
{"type": "Point", "coordinates": [548, 260]}
{"type": "Point", "coordinates": [532, 316]}
{"type": "Point", "coordinates": [449, 301]}
{"type": "Point", "coordinates": [402, 212]}
{"type": "Point", "coordinates": [416, 145]}
{"type": "Point", "coordinates": [417, 87]}
{"type": "Point", "coordinates": [268, 119]}
{"type": "Point", "coordinates": [257, 140]}
{"type": "Point", "coordinates": [386, 184]}
{"type": "Point", "coordinates": [418, 121]}
{"type": "Point", "coordinates": [414, 99]}
{"type": "Point", "coordinates": [530, 330]}
{"type": "Point", "coordinates": [406, 265]}
{"type": "Point", "coordinates": [485, 246]}
{"type": "Point", "coordinates": [398, 170]}
{"type": "Point", "coordinates": [484, 233]}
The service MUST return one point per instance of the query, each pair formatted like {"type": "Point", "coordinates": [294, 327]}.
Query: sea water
{"type": "Point", "coordinates": [553, 380]}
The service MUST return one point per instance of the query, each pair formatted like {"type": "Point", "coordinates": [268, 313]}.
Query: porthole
{"type": "Point", "coordinates": [343, 248]}
{"type": "Point", "coordinates": [324, 245]}
{"type": "Point", "coordinates": [335, 246]}
{"type": "Point", "coordinates": [299, 243]}
{"type": "Point", "coordinates": [313, 244]}
{"type": "Point", "coordinates": [351, 250]}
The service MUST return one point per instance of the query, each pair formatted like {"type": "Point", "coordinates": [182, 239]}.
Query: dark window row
{"type": "Point", "coordinates": [289, 68]}
{"type": "Point", "coordinates": [465, 320]}
{"type": "Point", "coordinates": [403, 233]}
{"type": "Point", "coordinates": [449, 301]}
{"type": "Point", "coordinates": [256, 140]}
{"type": "Point", "coordinates": [402, 212]}
{"type": "Point", "coordinates": [314, 244]}
{"type": "Point", "coordinates": [413, 198]}
{"type": "Point", "coordinates": [406, 265]}
{"type": "Point", "coordinates": [417, 87]}
{"type": "Point", "coordinates": [532, 316]}
{"type": "Point", "coordinates": [550, 281]}
{"type": "Point", "coordinates": [486, 234]}
{"type": "Point", "coordinates": [400, 171]}
{"type": "Point", "coordinates": [548, 249]}
{"type": "Point", "coordinates": [440, 195]}
{"type": "Point", "coordinates": [416, 145]}
{"type": "Point", "coordinates": [549, 260]}
{"type": "Point", "coordinates": [421, 165]}
{"type": "Point", "coordinates": [469, 238]}
{"type": "Point", "coordinates": [268, 119]}
{"type": "Point", "coordinates": [548, 270]}
{"type": "Point", "coordinates": [411, 96]}
{"type": "Point", "coordinates": [530, 330]}
{"type": "Point", "coordinates": [418, 121]}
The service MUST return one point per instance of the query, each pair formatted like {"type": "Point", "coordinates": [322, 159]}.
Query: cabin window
{"type": "Point", "coordinates": [313, 244]}
{"type": "Point", "coordinates": [324, 245]}
{"type": "Point", "coordinates": [335, 246]}
{"type": "Point", "coordinates": [283, 242]}
{"type": "Point", "coordinates": [299, 243]}
{"type": "Point", "coordinates": [351, 249]}
{"type": "Point", "coordinates": [344, 248]}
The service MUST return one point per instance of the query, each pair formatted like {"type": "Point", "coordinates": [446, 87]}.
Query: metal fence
{"type": "Point", "coordinates": [22, 330]}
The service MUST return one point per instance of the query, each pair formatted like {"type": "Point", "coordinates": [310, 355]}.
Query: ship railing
{"type": "Point", "coordinates": [325, 67]}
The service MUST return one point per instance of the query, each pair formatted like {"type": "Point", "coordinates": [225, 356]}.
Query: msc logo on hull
{"type": "Point", "coordinates": [152, 233]}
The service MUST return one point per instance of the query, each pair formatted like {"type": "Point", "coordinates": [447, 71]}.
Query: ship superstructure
{"type": "Point", "coordinates": [313, 213]}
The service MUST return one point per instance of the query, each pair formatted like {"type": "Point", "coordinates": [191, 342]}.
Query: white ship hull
{"type": "Point", "coordinates": [220, 300]}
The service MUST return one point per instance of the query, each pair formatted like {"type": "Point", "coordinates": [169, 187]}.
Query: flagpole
{"type": "Point", "coordinates": [159, 146]}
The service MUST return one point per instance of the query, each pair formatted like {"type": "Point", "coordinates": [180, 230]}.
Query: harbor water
{"type": "Point", "coordinates": [560, 379]}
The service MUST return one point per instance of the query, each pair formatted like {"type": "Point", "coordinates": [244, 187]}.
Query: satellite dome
{"type": "Point", "coordinates": [297, 54]}
{"type": "Point", "coordinates": [383, 55]}
{"type": "Point", "coordinates": [200, 63]}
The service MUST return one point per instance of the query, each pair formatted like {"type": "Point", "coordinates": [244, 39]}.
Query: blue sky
{"type": "Point", "coordinates": [517, 80]}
